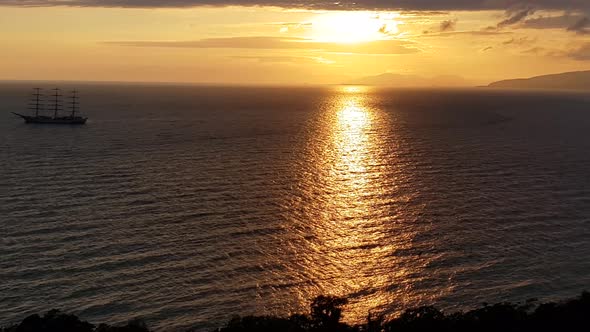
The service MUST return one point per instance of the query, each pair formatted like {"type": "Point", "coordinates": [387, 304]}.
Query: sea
{"type": "Point", "coordinates": [187, 205]}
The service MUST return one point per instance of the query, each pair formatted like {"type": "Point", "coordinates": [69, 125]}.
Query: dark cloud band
{"type": "Point", "coordinates": [445, 5]}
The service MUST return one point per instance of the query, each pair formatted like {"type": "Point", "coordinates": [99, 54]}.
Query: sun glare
{"type": "Point", "coordinates": [354, 27]}
{"type": "Point", "coordinates": [353, 89]}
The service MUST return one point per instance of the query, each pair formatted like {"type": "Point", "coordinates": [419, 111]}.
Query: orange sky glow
{"type": "Point", "coordinates": [274, 45]}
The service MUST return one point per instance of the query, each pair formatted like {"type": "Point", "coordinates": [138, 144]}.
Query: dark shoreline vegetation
{"type": "Point", "coordinates": [326, 312]}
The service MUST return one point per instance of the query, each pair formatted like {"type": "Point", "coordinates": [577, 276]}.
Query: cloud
{"type": "Point", "coordinates": [485, 32]}
{"type": "Point", "coordinates": [535, 51]}
{"type": "Point", "coordinates": [389, 30]}
{"type": "Point", "coordinates": [552, 22]}
{"type": "Point", "coordinates": [378, 47]}
{"type": "Point", "coordinates": [410, 5]}
{"type": "Point", "coordinates": [230, 42]}
{"type": "Point", "coordinates": [448, 25]}
{"type": "Point", "coordinates": [516, 16]}
{"type": "Point", "coordinates": [523, 45]}
{"type": "Point", "coordinates": [581, 53]}
{"type": "Point", "coordinates": [574, 22]}
{"type": "Point", "coordinates": [293, 26]}
{"type": "Point", "coordinates": [286, 59]}
{"type": "Point", "coordinates": [581, 26]}
{"type": "Point", "coordinates": [522, 41]}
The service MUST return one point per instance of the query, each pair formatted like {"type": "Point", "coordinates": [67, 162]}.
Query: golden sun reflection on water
{"type": "Point", "coordinates": [352, 224]}
{"type": "Point", "coordinates": [353, 142]}
{"type": "Point", "coordinates": [349, 233]}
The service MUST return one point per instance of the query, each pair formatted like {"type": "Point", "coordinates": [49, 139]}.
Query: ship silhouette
{"type": "Point", "coordinates": [37, 106]}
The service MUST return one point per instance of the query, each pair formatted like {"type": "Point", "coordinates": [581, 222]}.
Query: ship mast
{"type": "Point", "coordinates": [74, 103]}
{"type": "Point", "coordinates": [37, 101]}
{"type": "Point", "coordinates": [56, 104]}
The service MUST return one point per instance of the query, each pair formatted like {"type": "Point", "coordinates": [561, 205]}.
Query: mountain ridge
{"type": "Point", "coordinates": [576, 80]}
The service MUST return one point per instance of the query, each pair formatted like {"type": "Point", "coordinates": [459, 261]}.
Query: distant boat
{"type": "Point", "coordinates": [37, 106]}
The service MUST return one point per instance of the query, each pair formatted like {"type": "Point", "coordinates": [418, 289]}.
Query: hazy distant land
{"type": "Point", "coordinates": [579, 80]}
{"type": "Point", "coordinates": [401, 80]}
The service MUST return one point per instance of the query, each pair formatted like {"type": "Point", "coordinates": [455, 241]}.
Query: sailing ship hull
{"type": "Point", "coordinates": [49, 120]}
{"type": "Point", "coordinates": [71, 119]}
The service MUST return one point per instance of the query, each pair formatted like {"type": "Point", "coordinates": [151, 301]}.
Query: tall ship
{"type": "Point", "coordinates": [56, 106]}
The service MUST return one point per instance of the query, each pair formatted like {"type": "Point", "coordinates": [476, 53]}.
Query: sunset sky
{"type": "Point", "coordinates": [290, 41]}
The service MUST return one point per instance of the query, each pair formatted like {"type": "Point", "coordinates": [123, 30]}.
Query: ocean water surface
{"type": "Point", "coordinates": [186, 205]}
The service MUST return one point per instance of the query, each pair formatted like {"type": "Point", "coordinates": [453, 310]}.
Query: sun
{"type": "Point", "coordinates": [353, 27]}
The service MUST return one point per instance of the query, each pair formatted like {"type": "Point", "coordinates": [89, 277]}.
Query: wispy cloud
{"type": "Point", "coordinates": [522, 41]}
{"type": "Point", "coordinates": [574, 22]}
{"type": "Point", "coordinates": [484, 32]}
{"type": "Point", "coordinates": [516, 16]}
{"type": "Point", "coordinates": [381, 47]}
{"type": "Point", "coordinates": [581, 26]}
{"type": "Point", "coordinates": [552, 22]}
{"type": "Point", "coordinates": [535, 51]}
{"type": "Point", "coordinates": [286, 59]}
{"type": "Point", "coordinates": [448, 25]}
{"type": "Point", "coordinates": [293, 26]}
{"type": "Point", "coordinates": [581, 53]}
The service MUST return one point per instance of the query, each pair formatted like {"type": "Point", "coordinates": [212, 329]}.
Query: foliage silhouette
{"type": "Point", "coordinates": [56, 321]}
{"type": "Point", "coordinates": [326, 312]}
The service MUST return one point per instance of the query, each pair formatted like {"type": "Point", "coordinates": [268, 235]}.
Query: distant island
{"type": "Point", "coordinates": [401, 80]}
{"type": "Point", "coordinates": [578, 80]}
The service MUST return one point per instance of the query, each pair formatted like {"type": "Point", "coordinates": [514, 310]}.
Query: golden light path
{"type": "Point", "coordinates": [350, 229]}
{"type": "Point", "coordinates": [353, 144]}
{"type": "Point", "coordinates": [351, 224]}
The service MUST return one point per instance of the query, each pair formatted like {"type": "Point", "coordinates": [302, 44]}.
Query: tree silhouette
{"type": "Point", "coordinates": [326, 311]}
